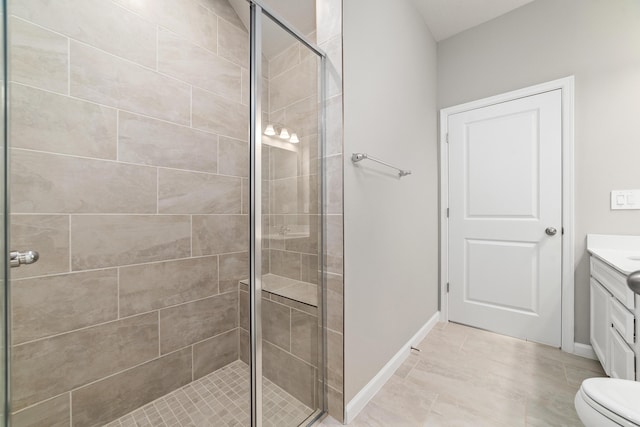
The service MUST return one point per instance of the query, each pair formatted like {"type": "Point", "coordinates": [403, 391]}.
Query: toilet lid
{"type": "Point", "coordinates": [622, 397]}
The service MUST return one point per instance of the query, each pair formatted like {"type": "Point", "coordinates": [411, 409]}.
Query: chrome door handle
{"type": "Point", "coordinates": [16, 259]}
{"type": "Point", "coordinates": [551, 231]}
{"type": "Point", "coordinates": [633, 281]}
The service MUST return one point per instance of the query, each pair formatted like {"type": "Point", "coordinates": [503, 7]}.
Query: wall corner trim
{"type": "Point", "coordinates": [360, 400]}
{"type": "Point", "coordinates": [584, 350]}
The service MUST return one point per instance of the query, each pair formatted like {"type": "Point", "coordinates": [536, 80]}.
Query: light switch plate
{"type": "Point", "coordinates": [625, 199]}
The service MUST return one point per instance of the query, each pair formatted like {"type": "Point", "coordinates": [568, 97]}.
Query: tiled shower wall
{"type": "Point", "coordinates": [293, 211]}
{"type": "Point", "coordinates": [129, 126]}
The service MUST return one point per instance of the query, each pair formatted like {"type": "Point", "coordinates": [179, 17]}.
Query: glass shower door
{"type": "Point", "coordinates": [291, 312]}
{"type": "Point", "coordinates": [3, 225]}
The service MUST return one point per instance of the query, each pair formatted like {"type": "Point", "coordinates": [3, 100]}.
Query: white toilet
{"type": "Point", "coordinates": [603, 402]}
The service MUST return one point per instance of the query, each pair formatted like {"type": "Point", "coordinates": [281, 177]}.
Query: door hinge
{"type": "Point", "coordinates": [447, 137]}
{"type": "Point", "coordinates": [562, 231]}
{"type": "Point", "coordinates": [447, 287]}
{"type": "Point", "coordinates": [447, 212]}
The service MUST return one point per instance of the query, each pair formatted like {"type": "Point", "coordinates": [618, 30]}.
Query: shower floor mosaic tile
{"type": "Point", "coordinates": [218, 399]}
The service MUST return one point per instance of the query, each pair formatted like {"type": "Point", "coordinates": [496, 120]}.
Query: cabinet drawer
{"type": "Point", "coordinates": [622, 320]}
{"type": "Point", "coordinates": [613, 281]}
{"type": "Point", "coordinates": [621, 358]}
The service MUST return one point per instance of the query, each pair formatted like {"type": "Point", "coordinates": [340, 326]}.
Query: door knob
{"type": "Point", "coordinates": [551, 231]}
{"type": "Point", "coordinates": [16, 259]}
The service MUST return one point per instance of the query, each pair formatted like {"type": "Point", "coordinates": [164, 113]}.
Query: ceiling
{"type": "Point", "coordinates": [448, 17]}
{"type": "Point", "coordinates": [444, 18]}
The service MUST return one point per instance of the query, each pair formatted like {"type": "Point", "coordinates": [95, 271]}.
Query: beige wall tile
{"type": "Point", "coordinates": [335, 301]}
{"type": "Point", "coordinates": [223, 9]}
{"type": "Point", "coordinates": [284, 163]}
{"type": "Point", "coordinates": [189, 323]}
{"type": "Point", "coordinates": [45, 368]}
{"type": "Point", "coordinates": [47, 234]}
{"type": "Point", "coordinates": [182, 192]}
{"type": "Point", "coordinates": [286, 264]}
{"type": "Point", "coordinates": [105, 79]}
{"type": "Point", "coordinates": [334, 249]}
{"type": "Point", "coordinates": [328, 19]}
{"type": "Point", "coordinates": [294, 195]}
{"type": "Point", "coordinates": [333, 49]}
{"type": "Point", "coordinates": [220, 115]}
{"type": "Point", "coordinates": [335, 404]}
{"type": "Point", "coordinates": [282, 62]}
{"type": "Point", "coordinates": [214, 353]}
{"type": "Point", "coordinates": [120, 394]}
{"type": "Point", "coordinates": [276, 324]}
{"type": "Point", "coordinates": [233, 43]}
{"type": "Point", "coordinates": [304, 336]}
{"type": "Point", "coordinates": [335, 359]}
{"type": "Point", "coordinates": [188, 18]}
{"type": "Point", "coordinates": [233, 157]}
{"type": "Point", "coordinates": [310, 268]}
{"type": "Point", "coordinates": [233, 268]}
{"type": "Point", "coordinates": [51, 305]}
{"type": "Point", "coordinates": [334, 126]}
{"type": "Point", "coordinates": [307, 225]}
{"type": "Point", "coordinates": [304, 116]}
{"type": "Point", "coordinates": [244, 347]}
{"type": "Point", "coordinates": [110, 240]}
{"type": "Point", "coordinates": [39, 57]}
{"type": "Point", "coordinates": [50, 183]}
{"type": "Point", "coordinates": [218, 234]}
{"type": "Point", "coordinates": [158, 143]}
{"type": "Point", "coordinates": [245, 86]}
{"type": "Point", "coordinates": [183, 60]}
{"type": "Point", "coordinates": [52, 413]}
{"type": "Point", "coordinates": [95, 22]}
{"type": "Point", "coordinates": [294, 84]}
{"type": "Point", "coordinates": [48, 122]}
{"type": "Point", "coordinates": [292, 374]}
{"type": "Point", "coordinates": [244, 309]}
{"type": "Point", "coordinates": [245, 196]}
{"type": "Point", "coordinates": [151, 286]}
{"type": "Point", "coordinates": [285, 195]}
{"type": "Point", "coordinates": [333, 172]}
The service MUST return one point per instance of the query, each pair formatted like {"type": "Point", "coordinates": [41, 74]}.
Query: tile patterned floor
{"type": "Point", "coordinates": [469, 377]}
{"type": "Point", "coordinates": [219, 399]}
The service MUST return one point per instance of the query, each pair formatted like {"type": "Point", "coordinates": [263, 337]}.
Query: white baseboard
{"type": "Point", "coordinates": [584, 350]}
{"type": "Point", "coordinates": [363, 397]}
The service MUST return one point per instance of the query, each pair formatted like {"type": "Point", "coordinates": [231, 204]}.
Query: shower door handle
{"type": "Point", "coordinates": [16, 259]}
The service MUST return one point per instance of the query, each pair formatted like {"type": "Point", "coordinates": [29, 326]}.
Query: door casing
{"type": "Point", "coordinates": [566, 85]}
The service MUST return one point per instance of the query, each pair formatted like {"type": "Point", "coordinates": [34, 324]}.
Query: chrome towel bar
{"type": "Point", "coordinates": [356, 157]}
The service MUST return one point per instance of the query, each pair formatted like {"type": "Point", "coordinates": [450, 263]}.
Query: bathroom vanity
{"type": "Point", "coordinates": [615, 309]}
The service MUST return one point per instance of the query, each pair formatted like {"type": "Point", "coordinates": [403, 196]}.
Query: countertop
{"type": "Point", "coordinates": [620, 252]}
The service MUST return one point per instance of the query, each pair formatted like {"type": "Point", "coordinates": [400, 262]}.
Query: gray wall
{"type": "Point", "coordinates": [391, 224]}
{"type": "Point", "coordinates": [598, 41]}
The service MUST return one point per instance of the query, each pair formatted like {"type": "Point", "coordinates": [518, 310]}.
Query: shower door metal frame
{"type": "Point", "coordinates": [257, 11]}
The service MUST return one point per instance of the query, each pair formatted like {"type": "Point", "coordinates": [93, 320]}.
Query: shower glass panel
{"type": "Point", "coordinates": [3, 223]}
{"type": "Point", "coordinates": [129, 134]}
{"type": "Point", "coordinates": [291, 228]}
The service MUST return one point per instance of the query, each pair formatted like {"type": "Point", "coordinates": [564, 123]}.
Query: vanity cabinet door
{"type": "Point", "coordinates": [600, 326]}
{"type": "Point", "coordinates": [621, 357]}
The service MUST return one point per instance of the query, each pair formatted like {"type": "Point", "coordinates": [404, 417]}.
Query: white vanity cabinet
{"type": "Point", "coordinates": [612, 320]}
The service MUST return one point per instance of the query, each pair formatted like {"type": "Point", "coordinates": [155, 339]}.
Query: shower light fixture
{"type": "Point", "coordinates": [284, 134]}
{"type": "Point", "coordinates": [270, 130]}
{"type": "Point", "coordinates": [279, 130]}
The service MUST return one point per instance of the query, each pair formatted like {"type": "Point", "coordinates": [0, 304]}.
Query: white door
{"type": "Point", "coordinates": [505, 201]}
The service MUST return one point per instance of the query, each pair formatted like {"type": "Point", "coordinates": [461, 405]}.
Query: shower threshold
{"type": "Point", "coordinates": [218, 399]}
